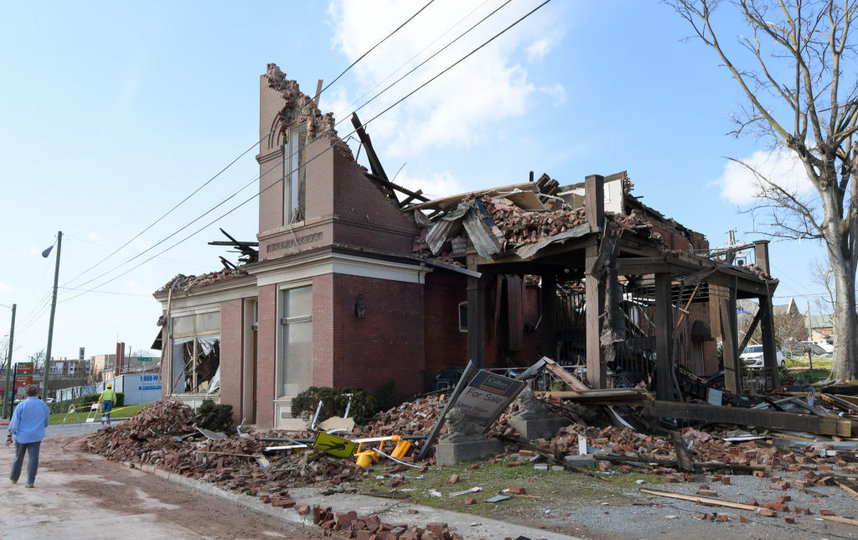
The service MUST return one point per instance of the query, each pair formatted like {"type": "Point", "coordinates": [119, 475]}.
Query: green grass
{"type": "Point", "coordinates": [548, 488]}
{"type": "Point", "coordinates": [797, 362]}
{"type": "Point", "coordinates": [119, 412]}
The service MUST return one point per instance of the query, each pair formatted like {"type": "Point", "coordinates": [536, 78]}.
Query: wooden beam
{"type": "Point", "coordinates": [698, 499]}
{"type": "Point", "coordinates": [761, 256]}
{"type": "Point", "coordinates": [374, 162]}
{"type": "Point", "coordinates": [732, 369]}
{"type": "Point", "coordinates": [476, 321]}
{"type": "Point", "coordinates": [548, 324]}
{"type": "Point", "coordinates": [786, 421]}
{"type": "Point", "coordinates": [767, 328]}
{"type": "Point", "coordinates": [318, 92]}
{"type": "Point", "coordinates": [413, 196]}
{"type": "Point", "coordinates": [396, 187]}
{"type": "Point", "coordinates": [749, 333]}
{"type": "Point", "coordinates": [594, 296]}
{"type": "Point", "coordinates": [605, 396]}
{"type": "Point", "coordinates": [663, 337]}
{"type": "Point", "coordinates": [594, 200]}
{"type": "Point", "coordinates": [839, 519]}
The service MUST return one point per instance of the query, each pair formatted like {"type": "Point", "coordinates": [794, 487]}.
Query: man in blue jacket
{"type": "Point", "coordinates": [28, 425]}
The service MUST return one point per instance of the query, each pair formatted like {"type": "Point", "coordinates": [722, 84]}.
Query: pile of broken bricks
{"type": "Point", "coordinates": [410, 418]}
{"type": "Point", "coordinates": [521, 226]}
{"type": "Point", "coordinates": [352, 525]}
{"type": "Point", "coordinates": [163, 435]}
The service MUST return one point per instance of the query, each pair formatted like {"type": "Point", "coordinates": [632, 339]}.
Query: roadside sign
{"type": "Point", "coordinates": [144, 358]}
{"type": "Point", "coordinates": [24, 374]}
{"type": "Point", "coordinates": [487, 396]}
{"type": "Point", "coordinates": [333, 445]}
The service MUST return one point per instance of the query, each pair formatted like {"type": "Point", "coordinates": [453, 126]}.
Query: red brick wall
{"type": "Point", "coordinates": [445, 345]}
{"type": "Point", "coordinates": [679, 240]}
{"type": "Point", "coordinates": [266, 355]}
{"type": "Point", "coordinates": [388, 344]}
{"type": "Point", "coordinates": [323, 330]}
{"type": "Point", "coordinates": [365, 217]}
{"type": "Point", "coordinates": [231, 344]}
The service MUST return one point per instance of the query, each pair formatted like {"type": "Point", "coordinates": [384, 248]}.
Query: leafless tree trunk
{"type": "Point", "coordinates": [800, 96]}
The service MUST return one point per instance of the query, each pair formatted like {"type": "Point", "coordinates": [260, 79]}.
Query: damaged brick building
{"type": "Point", "coordinates": [355, 281]}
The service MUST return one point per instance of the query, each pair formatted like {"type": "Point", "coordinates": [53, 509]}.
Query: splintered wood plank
{"type": "Point", "coordinates": [740, 416]}
{"type": "Point", "coordinates": [698, 499]}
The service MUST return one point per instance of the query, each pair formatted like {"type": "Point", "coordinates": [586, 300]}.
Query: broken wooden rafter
{"type": "Point", "coordinates": [604, 396]}
{"type": "Point", "coordinates": [390, 186]}
{"type": "Point", "coordinates": [374, 162]}
{"type": "Point", "coordinates": [247, 249]}
{"type": "Point", "coordinates": [698, 499]}
{"type": "Point", "coordinates": [839, 519]}
{"type": "Point", "coordinates": [748, 417]}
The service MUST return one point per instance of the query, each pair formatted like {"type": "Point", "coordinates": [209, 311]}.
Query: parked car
{"type": "Point", "coordinates": [752, 357]}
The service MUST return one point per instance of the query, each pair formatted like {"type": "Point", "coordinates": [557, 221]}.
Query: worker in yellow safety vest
{"type": "Point", "coordinates": [107, 399]}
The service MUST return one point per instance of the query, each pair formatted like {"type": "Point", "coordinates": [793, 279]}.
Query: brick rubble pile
{"type": "Point", "coordinates": [521, 226]}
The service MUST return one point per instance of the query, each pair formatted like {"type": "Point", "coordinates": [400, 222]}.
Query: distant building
{"type": "Point", "coordinates": [822, 329]}
{"type": "Point", "coordinates": [104, 366]}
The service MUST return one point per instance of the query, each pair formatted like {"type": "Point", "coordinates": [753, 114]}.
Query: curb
{"type": "Point", "coordinates": [246, 501]}
{"type": "Point", "coordinates": [291, 515]}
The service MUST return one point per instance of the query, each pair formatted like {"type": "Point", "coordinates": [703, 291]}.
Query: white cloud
{"type": "Point", "coordinates": [740, 185]}
{"type": "Point", "coordinates": [96, 238]}
{"type": "Point", "coordinates": [5, 288]}
{"type": "Point", "coordinates": [538, 49]}
{"type": "Point", "coordinates": [465, 106]}
{"type": "Point", "coordinates": [557, 93]}
{"type": "Point", "coordinates": [435, 187]}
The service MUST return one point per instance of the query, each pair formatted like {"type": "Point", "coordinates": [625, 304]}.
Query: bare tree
{"type": "Point", "coordinates": [38, 360]}
{"type": "Point", "coordinates": [790, 328]}
{"type": "Point", "coordinates": [800, 96]}
{"type": "Point", "coordinates": [821, 274]}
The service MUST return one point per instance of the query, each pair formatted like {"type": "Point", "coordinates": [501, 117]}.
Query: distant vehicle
{"type": "Point", "coordinates": [752, 357]}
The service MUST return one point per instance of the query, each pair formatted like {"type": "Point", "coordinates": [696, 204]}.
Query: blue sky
{"type": "Point", "coordinates": [112, 113]}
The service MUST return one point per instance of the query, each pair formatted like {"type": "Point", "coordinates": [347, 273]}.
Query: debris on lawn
{"type": "Point", "coordinates": [600, 439]}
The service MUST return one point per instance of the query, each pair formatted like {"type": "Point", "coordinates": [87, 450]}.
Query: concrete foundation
{"type": "Point", "coordinates": [538, 428]}
{"type": "Point", "coordinates": [450, 453]}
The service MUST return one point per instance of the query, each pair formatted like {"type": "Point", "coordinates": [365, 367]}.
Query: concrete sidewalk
{"type": "Point", "coordinates": [81, 495]}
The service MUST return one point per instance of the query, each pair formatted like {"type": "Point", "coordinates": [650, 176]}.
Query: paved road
{"type": "Point", "coordinates": [79, 495]}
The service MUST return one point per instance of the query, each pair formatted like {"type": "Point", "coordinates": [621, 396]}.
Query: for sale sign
{"type": "Point", "coordinates": [487, 396]}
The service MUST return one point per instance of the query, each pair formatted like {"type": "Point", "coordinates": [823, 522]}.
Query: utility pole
{"type": "Point", "coordinates": [809, 336]}
{"type": "Point", "coordinates": [7, 398]}
{"type": "Point", "coordinates": [53, 311]}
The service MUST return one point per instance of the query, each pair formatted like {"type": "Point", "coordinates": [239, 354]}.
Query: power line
{"type": "Point", "coordinates": [421, 64]}
{"type": "Point", "coordinates": [398, 28]}
{"type": "Point", "coordinates": [167, 213]}
{"type": "Point", "coordinates": [231, 163]}
{"type": "Point", "coordinates": [153, 246]}
{"type": "Point", "coordinates": [107, 292]}
{"type": "Point", "coordinates": [397, 70]}
{"type": "Point", "coordinates": [329, 148]}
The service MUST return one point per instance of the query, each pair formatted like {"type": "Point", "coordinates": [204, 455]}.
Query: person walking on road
{"type": "Point", "coordinates": [107, 400]}
{"type": "Point", "coordinates": [28, 425]}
